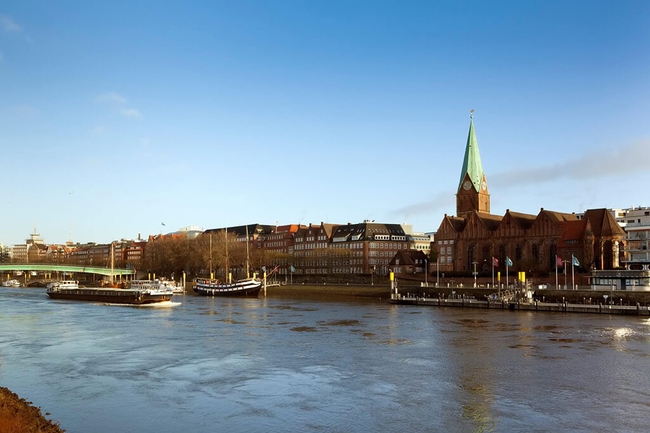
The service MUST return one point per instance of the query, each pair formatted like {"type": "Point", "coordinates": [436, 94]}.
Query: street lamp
{"type": "Point", "coordinates": [474, 263]}
{"type": "Point", "coordinates": [426, 272]}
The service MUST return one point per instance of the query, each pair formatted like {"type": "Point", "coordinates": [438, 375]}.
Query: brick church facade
{"type": "Point", "coordinates": [533, 243]}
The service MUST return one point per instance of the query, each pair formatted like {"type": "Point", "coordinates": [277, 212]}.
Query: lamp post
{"type": "Point", "coordinates": [474, 263]}
{"type": "Point", "coordinates": [426, 272]}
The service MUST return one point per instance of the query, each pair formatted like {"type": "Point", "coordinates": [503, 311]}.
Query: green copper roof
{"type": "Point", "coordinates": [472, 161]}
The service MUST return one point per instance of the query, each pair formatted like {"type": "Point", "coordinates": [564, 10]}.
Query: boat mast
{"type": "Point", "coordinates": [248, 275]}
{"type": "Point", "coordinates": [227, 274]}
{"type": "Point", "coordinates": [112, 262]}
{"type": "Point", "coordinates": [210, 255]}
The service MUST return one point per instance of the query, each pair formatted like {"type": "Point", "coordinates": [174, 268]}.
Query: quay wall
{"type": "Point", "coordinates": [562, 307]}
{"type": "Point", "coordinates": [583, 296]}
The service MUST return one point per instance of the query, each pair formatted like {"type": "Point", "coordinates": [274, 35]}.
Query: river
{"type": "Point", "coordinates": [278, 365]}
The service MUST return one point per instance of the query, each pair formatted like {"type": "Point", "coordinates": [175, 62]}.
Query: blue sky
{"type": "Point", "coordinates": [118, 116]}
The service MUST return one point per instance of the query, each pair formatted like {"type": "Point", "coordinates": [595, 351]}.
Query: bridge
{"type": "Point", "coordinates": [28, 267]}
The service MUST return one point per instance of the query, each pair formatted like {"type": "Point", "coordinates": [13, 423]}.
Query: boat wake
{"type": "Point", "coordinates": [165, 304]}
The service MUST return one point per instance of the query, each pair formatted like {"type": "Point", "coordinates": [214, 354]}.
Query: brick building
{"type": "Point", "coordinates": [531, 242]}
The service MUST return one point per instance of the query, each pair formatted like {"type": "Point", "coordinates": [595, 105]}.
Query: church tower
{"type": "Point", "coordinates": [472, 192]}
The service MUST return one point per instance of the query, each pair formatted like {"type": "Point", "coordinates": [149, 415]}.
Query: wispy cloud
{"type": "Point", "coordinates": [111, 98]}
{"type": "Point", "coordinates": [597, 164]}
{"type": "Point", "coordinates": [620, 161]}
{"type": "Point", "coordinates": [25, 110]}
{"type": "Point", "coordinates": [130, 112]}
{"type": "Point", "coordinates": [116, 100]}
{"type": "Point", "coordinates": [8, 25]}
{"type": "Point", "coordinates": [442, 200]}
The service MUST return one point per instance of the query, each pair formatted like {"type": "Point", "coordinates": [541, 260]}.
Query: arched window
{"type": "Point", "coordinates": [552, 252]}
{"type": "Point", "coordinates": [470, 257]}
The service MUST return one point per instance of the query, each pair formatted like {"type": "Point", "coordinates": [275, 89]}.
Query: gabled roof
{"type": "Point", "coordinates": [571, 231]}
{"type": "Point", "coordinates": [472, 161]}
{"type": "Point", "coordinates": [490, 221]}
{"type": "Point", "coordinates": [365, 231]}
{"type": "Point", "coordinates": [408, 257]}
{"type": "Point", "coordinates": [456, 223]}
{"type": "Point", "coordinates": [603, 223]}
{"type": "Point", "coordinates": [559, 216]}
{"type": "Point", "coordinates": [523, 220]}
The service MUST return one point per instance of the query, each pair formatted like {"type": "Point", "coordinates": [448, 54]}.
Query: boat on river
{"type": "Point", "coordinates": [135, 296]}
{"type": "Point", "coordinates": [249, 287]}
{"type": "Point", "coordinates": [11, 283]}
{"type": "Point", "coordinates": [157, 284]}
{"type": "Point", "coordinates": [64, 284]}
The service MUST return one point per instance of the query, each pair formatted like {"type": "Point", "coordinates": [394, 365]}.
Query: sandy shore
{"type": "Point", "coordinates": [17, 415]}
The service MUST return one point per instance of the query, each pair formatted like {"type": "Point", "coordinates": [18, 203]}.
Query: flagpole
{"type": "Point", "coordinates": [507, 287]}
{"type": "Point", "coordinates": [556, 286]}
{"type": "Point", "coordinates": [573, 275]}
{"type": "Point", "coordinates": [492, 271]}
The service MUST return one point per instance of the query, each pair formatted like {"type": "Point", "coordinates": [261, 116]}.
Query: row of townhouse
{"type": "Point", "coordinates": [335, 249]}
{"type": "Point", "coordinates": [126, 253]}
{"type": "Point", "coordinates": [303, 250]}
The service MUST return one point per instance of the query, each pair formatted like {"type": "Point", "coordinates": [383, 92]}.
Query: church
{"type": "Point", "coordinates": [475, 239]}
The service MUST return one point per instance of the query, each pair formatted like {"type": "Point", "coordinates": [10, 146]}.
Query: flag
{"type": "Point", "coordinates": [495, 262]}
{"type": "Point", "coordinates": [293, 269]}
{"type": "Point", "coordinates": [508, 261]}
{"type": "Point", "coordinates": [575, 261]}
{"type": "Point", "coordinates": [558, 261]}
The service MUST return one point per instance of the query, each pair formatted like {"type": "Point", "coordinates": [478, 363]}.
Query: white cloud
{"type": "Point", "coordinates": [130, 112]}
{"type": "Point", "coordinates": [615, 161]}
{"type": "Point", "coordinates": [8, 25]}
{"type": "Point", "coordinates": [111, 98]}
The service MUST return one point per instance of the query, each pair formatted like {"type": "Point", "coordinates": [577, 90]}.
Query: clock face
{"type": "Point", "coordinates": [484, 186]}
{"type": "Point", "coordinates": [467, 184]}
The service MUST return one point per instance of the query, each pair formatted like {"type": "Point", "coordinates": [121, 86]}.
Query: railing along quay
{"type": "Point", "coordinates": [558, 307]}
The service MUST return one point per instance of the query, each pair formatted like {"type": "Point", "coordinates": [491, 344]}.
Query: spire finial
{"type": "Point", "coordinates": [471, 113]}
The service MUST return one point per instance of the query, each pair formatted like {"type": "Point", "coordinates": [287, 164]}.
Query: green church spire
{"type": "Point", "coordinates": [472, 161]}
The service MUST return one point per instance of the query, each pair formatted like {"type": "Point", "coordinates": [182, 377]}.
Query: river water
{"type": "Point", "coordinates": [277, 365]}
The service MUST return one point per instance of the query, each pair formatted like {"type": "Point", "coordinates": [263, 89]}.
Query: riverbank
{"type": "Point", "coordinates": [17, 415]}
{"type": "Point", "coordinates": [328, 292]}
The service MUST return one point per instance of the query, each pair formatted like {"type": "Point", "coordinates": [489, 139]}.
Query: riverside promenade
{"type": "Point", "coordinates": [623, 302]}
{"type": "Point", "coordinates": [556, 307]}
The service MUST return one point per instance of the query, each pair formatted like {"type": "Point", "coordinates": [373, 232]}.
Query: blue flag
{"type": "Point", "coordinates": [508, 261]}
{"type": "Point", "coordinates": [575, 261]}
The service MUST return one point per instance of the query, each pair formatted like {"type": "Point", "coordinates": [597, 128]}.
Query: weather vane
{"type": "Point", "coordinates": [471, 113]}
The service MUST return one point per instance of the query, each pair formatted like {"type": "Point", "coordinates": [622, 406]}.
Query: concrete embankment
{"type": "Point", "coordinates": [564, 301]}
{"type": "Point", "coordinates": [561, 307]}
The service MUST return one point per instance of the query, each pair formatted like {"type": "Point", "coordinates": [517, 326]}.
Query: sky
{"type": "Point", "coordinates": [129, 118]}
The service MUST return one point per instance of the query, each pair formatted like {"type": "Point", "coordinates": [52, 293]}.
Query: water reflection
{"type": "Point", "coordinates": [270, 365]}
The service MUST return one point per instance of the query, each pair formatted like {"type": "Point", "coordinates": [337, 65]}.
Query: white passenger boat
{"type": "Point", "coordinates": [11, 283]}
